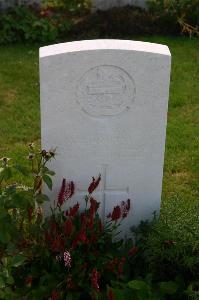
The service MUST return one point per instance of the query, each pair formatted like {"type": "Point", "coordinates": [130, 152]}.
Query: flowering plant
{"type": "Point", "coordinates": [70, 254]}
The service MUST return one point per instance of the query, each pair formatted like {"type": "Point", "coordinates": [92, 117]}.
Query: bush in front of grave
{"type": "Point", "coordinates": [69, 252]}
{"type": "Point", "coordinates": [72, 255]}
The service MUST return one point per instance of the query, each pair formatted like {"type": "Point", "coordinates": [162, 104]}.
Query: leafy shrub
{"type": "Point", "coordinates": [70, 5]}
{"type": "Point", "coordinates": [183, 12]}
{"type": "Point", "coordinates": [121, 22]}
{"type": "Point", "coordinates": [28, 24]}
{"type": "Point", "coordinates": [173, 243]}
{"type": "Point", "coordinates": [68, 252]}
{"type": "Point", "coordinates": [168, 252]}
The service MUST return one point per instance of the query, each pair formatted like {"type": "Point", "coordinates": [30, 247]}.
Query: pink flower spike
{"type": "Point", "coordinates": [67, 259]}
{"type": "Point", "coordinates": [66, 192]}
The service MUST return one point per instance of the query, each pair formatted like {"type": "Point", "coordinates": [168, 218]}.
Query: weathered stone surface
{"type": "Point", "coordinates": [104, 106]}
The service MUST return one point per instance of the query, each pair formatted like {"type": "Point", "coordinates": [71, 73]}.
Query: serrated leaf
{"type": "Point", "coordinates": [48, 181]}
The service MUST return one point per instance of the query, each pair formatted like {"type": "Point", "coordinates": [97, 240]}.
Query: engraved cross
{"type": "Point", "coordinates": [104, 191]}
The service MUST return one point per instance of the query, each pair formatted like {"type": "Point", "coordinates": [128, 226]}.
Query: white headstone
{"type": "Point", "coordinates": [104, 106]}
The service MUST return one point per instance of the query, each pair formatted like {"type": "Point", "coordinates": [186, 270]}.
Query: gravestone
{"type": "Point", "coordinates": [104, 106]}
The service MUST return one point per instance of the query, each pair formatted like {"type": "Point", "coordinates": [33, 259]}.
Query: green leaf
{"type": "Point", "coordinates": [168, 287]}
{"type": "Point", "coordinates": [22, 199]}
{"type": "Point", "coordinates": [41, 198]}
{"type": "Point", "coordinates": [18, 260]}
{"type": "Point", "coordinates": [142, 289]}
{"type": "Point", "coordinates": [137, 285]}
{"type": "Point", "coordinates": [47, 171]}
{"type": "Point", "coordinates": [48, 181]}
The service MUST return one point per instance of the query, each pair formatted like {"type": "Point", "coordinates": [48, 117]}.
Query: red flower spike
{"type": "Point", "coordinates": [120, 268]}
{"type": "Point", "coordinates": [123, 259]}
{"type": "Point", "coordinates": [66, 192]}
{"type": "Point", "coordinates": [110, 295]}
{"type": "Point", "coordinates": [68, 227]}
{"type": "Point", "coordinates": [125, 207]}
{"type": "Point", "coordinates": [53, 227]}
{"type": "Point", "coordinates": [133, 251]}
{"type": "Point", "coordinates": [94, 184]}
{"type": "Point", "coordinates": [82, 237]}
{"type": "Point", "coordinates": [28, 281]}
{"type": "Point", "coordinates": [116, 214]}
{"type": "Point", "coordinates": [69, 191]}
{"type": "Point", "coordinates": [95, 276]}
{"type": "Point", "coordinates": [54, 295]}
{"type": "Point", "coordinates": [61, 196]}
{"type": "Point", "coordinates": [94, 206]}
{"type": "Point", "coordinates": [57, 245]}
{"type": "Point", "coordinates": [83, 219]}
{"type": "Point", "coordinates": [91, 223]}
{"type": "Point", "coordinates": [70, 284]}
{"type": "Point", "coordinates": [75, 243]}
{"type": "Point", "coordinates": [73, 211]}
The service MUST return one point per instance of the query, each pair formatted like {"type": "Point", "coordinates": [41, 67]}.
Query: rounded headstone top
{"type": "Point", "coordinates": [103, 44]}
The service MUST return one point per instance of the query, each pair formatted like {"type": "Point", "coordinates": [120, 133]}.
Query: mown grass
{"type": "Point", "coordinates": [20, 117]}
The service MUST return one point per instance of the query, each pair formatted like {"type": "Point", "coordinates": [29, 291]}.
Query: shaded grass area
{"type": "Point", "coordinates": [20, 116]}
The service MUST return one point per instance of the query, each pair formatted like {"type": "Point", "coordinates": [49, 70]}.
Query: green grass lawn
{"type": "Point", "coordinates": [20, 117]}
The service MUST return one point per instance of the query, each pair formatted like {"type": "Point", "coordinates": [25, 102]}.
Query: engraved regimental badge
{"type": "Point", "coordinates": [105, 91]}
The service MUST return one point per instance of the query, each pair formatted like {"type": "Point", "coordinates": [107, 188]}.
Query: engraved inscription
{"type": "Point", "coordinates": [105, 90]}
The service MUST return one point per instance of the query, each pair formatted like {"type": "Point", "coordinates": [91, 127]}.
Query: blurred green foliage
{"type": "Point", "coordinates": [184, 12]}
